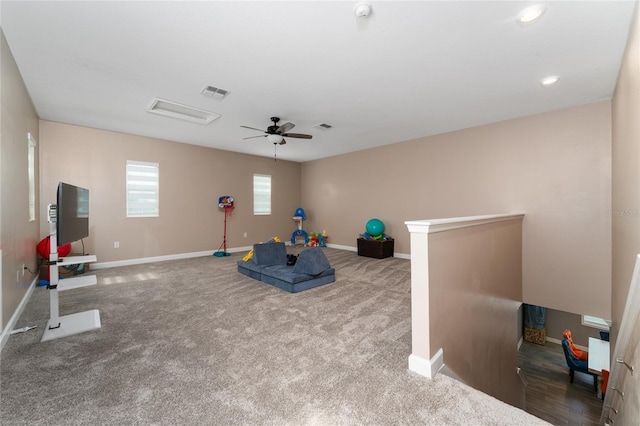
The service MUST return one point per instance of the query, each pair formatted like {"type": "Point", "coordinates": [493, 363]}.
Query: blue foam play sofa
{"type": "Point", "coordinates": [269, 265]}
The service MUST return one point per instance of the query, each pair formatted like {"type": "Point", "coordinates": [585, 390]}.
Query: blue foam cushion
{"type": "Point", "coordinates": [250, 269]}
{"type": "Point", "coordinates": [311, 261]}
{"type": "Point", "coordinates": [289, 275]}
{"type": "Point", "coordinates": [303, 282]}
{"type": "Point", "coordinates": [268, 254]}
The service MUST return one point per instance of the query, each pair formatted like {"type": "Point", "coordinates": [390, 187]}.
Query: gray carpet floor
{"type": "Point", "coordinates": [193, 342]}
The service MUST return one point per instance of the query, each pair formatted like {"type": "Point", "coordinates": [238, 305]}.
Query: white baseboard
{"type": "Point", "coordinates": [426, 368]}
{"type": "Point", "coordinates": [350, 248]}
{"type": "Point", "coordinates": [139, 261]}
{"type": "Point", "coordinates": [6, 332]}
{"type": "Point", "coordinates": [115, 263]}
{"type": "Point", "coordinates": [341, 247]}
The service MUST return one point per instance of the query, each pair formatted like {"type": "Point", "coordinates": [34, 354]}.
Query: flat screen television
{"type": "Point", "coordinates": [73, 213]}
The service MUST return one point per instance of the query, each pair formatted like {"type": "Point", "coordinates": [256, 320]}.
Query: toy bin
{"type": "Point", "coordinates": [375, 249]}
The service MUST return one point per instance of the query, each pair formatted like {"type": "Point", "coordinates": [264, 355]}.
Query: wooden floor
{"type": "Point", "coordinates": [549, 394]}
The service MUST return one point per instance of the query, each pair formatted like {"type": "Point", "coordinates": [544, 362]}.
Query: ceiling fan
{"type": "Point", "coordinates": [275, 134]}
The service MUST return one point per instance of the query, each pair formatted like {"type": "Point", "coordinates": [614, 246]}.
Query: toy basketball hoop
{"type": "Point", "coordinates": [225, 203]}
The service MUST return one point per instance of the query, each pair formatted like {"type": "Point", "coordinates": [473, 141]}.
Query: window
{"type": "Point", "coordinates": [261, 194]}
{"type": "Point", "coordinates": [142, 189]}
{"type": "Point", "coordinates": [31, 167]}
{"type": "Point", "coordinates": [595, 322]}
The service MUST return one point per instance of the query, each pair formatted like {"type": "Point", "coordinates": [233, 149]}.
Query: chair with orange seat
{"type": "Point", "coordinates": [605, 382]}
{"type": "Point", "coordinates": [575, 364]}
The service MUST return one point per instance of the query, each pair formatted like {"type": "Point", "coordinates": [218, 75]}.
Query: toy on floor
{"type": "Point", "coordinates": [44, 250]}
{"type": "Point", "coordinates": [375, 228]}
{"type": "Point", "coordinates": [269, 266]}
{"type": "Point", "coordinates": [375, 231]}
{"type": "Point", "coordinates": [298, 217]}
{"type": "Point", "coordinates": [226, 203]}
{"type": "Point", "coordinates": [579, 353]}
{"type": "Point", "coordinates": [270, 240]}
{"type": "Point", "coordinates": [317, 240]}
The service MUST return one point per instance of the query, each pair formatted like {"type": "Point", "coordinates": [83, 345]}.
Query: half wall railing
{"type": "Point", "coordinates": [466, 289]}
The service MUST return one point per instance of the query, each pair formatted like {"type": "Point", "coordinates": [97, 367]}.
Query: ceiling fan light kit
{"type": "Point", "coordinates": [275, 134]}
{"type": "Point", "coordinates": [275, 139]}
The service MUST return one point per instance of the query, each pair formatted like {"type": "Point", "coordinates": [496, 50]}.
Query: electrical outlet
{"type": "Point", "coordinates": [116, 244]}
{"type": "Point", "coordinates": [245, 235]}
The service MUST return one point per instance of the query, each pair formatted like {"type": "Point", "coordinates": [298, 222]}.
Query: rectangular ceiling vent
{"type": "Point", "coordinates": [181, 112]}
{"type": "Point", "coordinates": [323, 126]}
{"type": "Point", "coordinates": [214, 92]}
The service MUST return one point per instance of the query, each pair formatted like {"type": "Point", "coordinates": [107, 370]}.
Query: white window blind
{"type": "Point", "coordinates": [143, 184]}
{"type": "Point", "coordinates": [31, 154]}
{"type": "Point", "coordinates": [261, 194]}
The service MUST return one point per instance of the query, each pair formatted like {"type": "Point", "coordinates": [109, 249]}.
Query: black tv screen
{"type": "Point", "coordinates": [73, 213]}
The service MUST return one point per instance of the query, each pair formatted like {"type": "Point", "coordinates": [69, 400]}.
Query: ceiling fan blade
{"type": "Point", "coordinates": [260, 136]}
{"type": "Point", "coordinates": [282, 142]}
{"type": "Point", "coordinates": [285, 127]}
{"type": "Point", "coordinates": [297, 135]}
{"type": "Point", "coordinates": [253, 128]}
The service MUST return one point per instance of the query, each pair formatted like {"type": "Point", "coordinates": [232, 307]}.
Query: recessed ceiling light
{"type": "Point", "coordinates": [531, 14]}
{"type": "Point", "coordinates": [549, 81]}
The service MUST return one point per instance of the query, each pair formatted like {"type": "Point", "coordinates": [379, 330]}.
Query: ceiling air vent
{"type": "Point", "coordinates": [182, 112]}
{"type": "Point", "coordinates": [323, 126]}
{"type": "Point", "coordinates": [214, 92]}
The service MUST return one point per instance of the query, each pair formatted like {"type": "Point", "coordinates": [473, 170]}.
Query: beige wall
{"type": "Point", "coordinates": [626, 173]}
{"type": "Point", "coordinates": [18, 236]}
{"type": "Point", "coordinates": [626, 211]}
{"type": "Point", "coordinates": [475, 292]}
{"type": "Point", "coordinates": [559, 321]}
{"type": "Point", "coordinates": [191, 180]}
{"type": "Point", "coordinates": [554, 167]}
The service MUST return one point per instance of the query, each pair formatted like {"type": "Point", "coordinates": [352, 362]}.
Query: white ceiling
{"type": "Point", "coordinates": [411, 69]}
